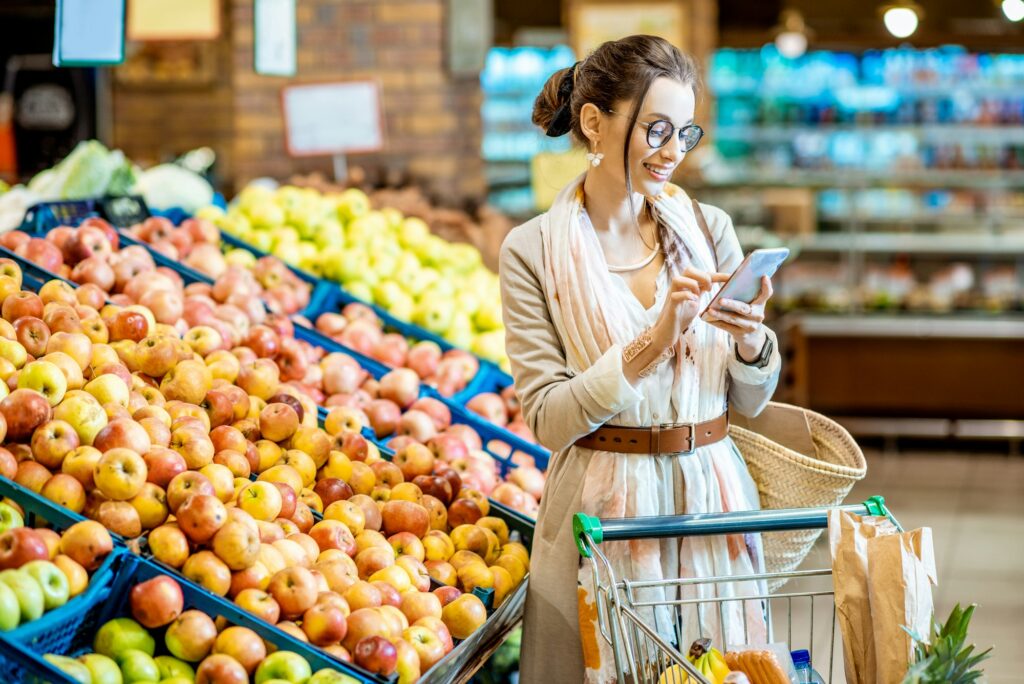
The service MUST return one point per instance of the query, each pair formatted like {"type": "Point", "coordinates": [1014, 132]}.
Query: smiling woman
{"type": "Point", "coordinates": [616, 372]}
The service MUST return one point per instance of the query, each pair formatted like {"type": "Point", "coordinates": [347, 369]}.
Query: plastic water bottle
{"type": "Point", "coordinates": [805, 674]}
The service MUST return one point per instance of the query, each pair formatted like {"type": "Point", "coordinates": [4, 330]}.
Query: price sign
{"type": "Point", "coordinates": [88, 33]}
{"type": "Point", "coordinates": [125, 211]}
{"type": "Point", "coordinates": [274, 32]}
{"type": "Point", "coordinates": [332, 118]}
{"type": "Point", "coordinates": [156, 20]}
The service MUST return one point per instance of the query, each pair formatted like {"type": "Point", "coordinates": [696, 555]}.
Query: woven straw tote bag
{"type": "Point", "coordinates": [798, 459]}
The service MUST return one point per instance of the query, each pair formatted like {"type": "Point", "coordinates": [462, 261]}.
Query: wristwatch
{"type": "Point", "coordinates": [763, 358]}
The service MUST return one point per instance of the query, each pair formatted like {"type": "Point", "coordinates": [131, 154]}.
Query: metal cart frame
{"type": "Point", "coordinates": [642, 654]}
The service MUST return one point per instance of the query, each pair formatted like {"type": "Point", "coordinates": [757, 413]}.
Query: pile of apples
{"type": "Point", "coordinates": [197, 650]}
{"type": "Point", "coordinates": [151, 431]}
{"type": "Point", "coordinates": [380, 256]}
{"type": "Point", "coordinates": [40, 569]}
{"type": "Point", "coordinates": [196, 243]}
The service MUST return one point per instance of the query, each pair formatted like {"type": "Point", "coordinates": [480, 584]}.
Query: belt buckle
{"type": "Point", "coordinates": [692, 437]}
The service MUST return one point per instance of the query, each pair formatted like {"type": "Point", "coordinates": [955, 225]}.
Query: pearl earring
{"type": "Point", "coordinates": [595, 158]}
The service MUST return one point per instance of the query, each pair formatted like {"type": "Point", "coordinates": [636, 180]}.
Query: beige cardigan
{"type": "Point", "coordinates": [560, 407]}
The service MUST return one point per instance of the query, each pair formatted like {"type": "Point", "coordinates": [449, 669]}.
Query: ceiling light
{"type": "Point", "coordinates": [1013, 9]}
{"type": "Point", "coordinates": [791, 34]}
{"type": "Point", "coordinates": [901, 20]}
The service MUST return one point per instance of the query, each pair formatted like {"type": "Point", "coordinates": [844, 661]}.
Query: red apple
{"type": "Point", "coordinates": [157, 602]}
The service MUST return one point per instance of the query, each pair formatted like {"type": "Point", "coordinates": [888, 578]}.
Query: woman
{"type": "Point", "coordinates": [601, 299]}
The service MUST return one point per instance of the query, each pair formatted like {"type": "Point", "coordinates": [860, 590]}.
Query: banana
{"type": "Point", "coordinates": [718, 666]}
{"type": "Point", "coordinates": [705, 669]}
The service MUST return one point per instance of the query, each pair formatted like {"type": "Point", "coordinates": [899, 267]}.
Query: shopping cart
{"type": "Point", "coordinates": [647, 653]}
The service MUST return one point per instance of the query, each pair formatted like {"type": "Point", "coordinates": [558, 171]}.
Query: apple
{"type": "Point", "coordinates": [24, 410]}
{"type": "Point", "coordinates": [384, 416]}
{"type": "Point", "coordinates": [102, 669]}
{"type": "Point", "coordinates": [122, 634]}
{"type": "Point", "coordinates": [156, 602]}
{"type": "Point", "coordinates": [22, 304]}
{"type": "Point", "coordinates": [324, 624]}
{"type": "Point", "coordinates": [414, 460]}
{"type": "Point", "coordinates": [333, 534]}
{"type": "Point", "coordinates": [185, 485]}
{"type": "Point", "coordinates": [33, 334]}
{"type": "Point", "coordinates": [10, 518]}
{"type": "Point", "coordinates": [405, 516]}
{"type": "Point", "coordinates": [200, 517]}
{"type": "Point", "coordinates": [294, 589]}
{"type": "Point", "coordinates": [30, 597]}
{"type": "Point", "coordinates": [120, 474]}
{"type": "Point", "coordinates": [464, 511]}
{"type": "Point", "coordinates": [123, 433]}
{"type": "Point", "coordinates": [237, 544]}
{"type": "Point", "coordinates": [242, 644]}
{"type": "Point", "coordinates": [109, 388]}
{"type": "Point", "coordinates": [376, 654]}
{"type": "Point", "coordinates": [191, 636]}
{"type": "Point", "coordinates": [221, 669]}
{"type": "Point", "coordinates": [66, 491]}
{"type": "Point", "coordinates": [438, 546]}
{"type": "Point", "coordinates": [371, 512]}
{"type": "Point", "coordinates": [82, 412]}
{"type": "Point", "coordinates": [464, 615]}
{"type": "Point", "coordinates": [332, 676]}
{"type": "Point", "coordinates": [52, 581]}
{"type": "Point", "coordinates": [284, 666]}
{"type": "Point", "coordinates": [163, 465]}
{"type": "Point", "coordinates": [259, 603]}
{"type": "Point", "coordinates": [71, 668]}
{"type": "Point", "coordinates": [406, 543]}
{"type": "Point", "coordinates": [188, 381]}
{"type": "Point", "coordinates": [262, 500]}
{"type": "Point", "coordinates": [21, 545]}
{"type": "Point", "coordinates": [31, 475]}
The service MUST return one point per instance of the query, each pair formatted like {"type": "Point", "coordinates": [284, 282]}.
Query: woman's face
{"type": "Point", "coordinates": [649, 168]}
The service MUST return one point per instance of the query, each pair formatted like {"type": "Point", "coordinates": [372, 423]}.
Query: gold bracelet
{"type": "Point", "coordinates": [633, 349]}
{"type": "Point", "coordinates": [653, 365]}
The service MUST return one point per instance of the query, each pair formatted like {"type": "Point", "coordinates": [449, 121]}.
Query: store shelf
{"type": "Point", "coordinates": [902, 325]}
{"type": "Point", "coordinates": [852, 178]}
{"type": "Point", "coordinates": [955, 244]}
{"type": "Point", "coordinates": [949, 133]}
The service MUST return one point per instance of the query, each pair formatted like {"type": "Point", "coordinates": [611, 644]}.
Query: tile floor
{"type": "Point", "coordinates": [974, 504]}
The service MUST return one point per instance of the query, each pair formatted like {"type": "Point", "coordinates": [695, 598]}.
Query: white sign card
{"type": "Point", "coordinates": [89, 32]}
{"type": "Point", "coordinates": [275, 37]}
{"type": "Point", "coordinates": [332, 118]}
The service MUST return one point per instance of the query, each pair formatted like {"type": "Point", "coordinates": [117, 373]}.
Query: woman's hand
{"type": "Point", "coordinates": [682, 304]}
{"type": "Point", "coordinates": [745, 322]}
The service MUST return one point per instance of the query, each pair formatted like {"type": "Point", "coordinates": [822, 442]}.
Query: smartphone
{"type": "Point", "coordinates": [745, 283]}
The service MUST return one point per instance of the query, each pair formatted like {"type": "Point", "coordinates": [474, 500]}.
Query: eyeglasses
{"type": "Point", "coordinates": [661, 131]}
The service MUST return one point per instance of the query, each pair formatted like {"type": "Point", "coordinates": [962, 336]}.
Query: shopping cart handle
{"type": "Point", "coordinates": [598, 530]}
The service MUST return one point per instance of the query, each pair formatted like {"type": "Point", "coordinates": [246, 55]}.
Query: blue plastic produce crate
{"type": "Point", "coordinates": [114, 602]}
{"type": "Point", "coordinates": [59, 624]}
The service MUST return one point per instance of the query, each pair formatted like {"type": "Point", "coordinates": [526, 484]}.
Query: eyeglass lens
{"type": "Point", "coordinates": [659, 133]}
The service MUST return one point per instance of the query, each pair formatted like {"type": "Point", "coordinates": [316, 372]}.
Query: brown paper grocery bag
{"type": "Point", "coordinates": [848, 536]}
{"type": "Point", "coordinates": [901, 573]}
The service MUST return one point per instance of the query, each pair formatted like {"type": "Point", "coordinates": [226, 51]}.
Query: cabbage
{"type": "Point", "coordinates": [84, 173]}
{"type": "Point", "coordinates": [169, 186]}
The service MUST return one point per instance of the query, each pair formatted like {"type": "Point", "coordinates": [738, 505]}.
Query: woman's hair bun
{"type": "Point", "coordinates": [552, 105]}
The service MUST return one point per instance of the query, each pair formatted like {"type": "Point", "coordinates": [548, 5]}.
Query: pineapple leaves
{"type": "Point", "coordinates": [946, 658]}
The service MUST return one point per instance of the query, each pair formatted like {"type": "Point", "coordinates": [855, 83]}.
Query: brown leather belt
{"type": "Point", "coordinates": [658, 439]}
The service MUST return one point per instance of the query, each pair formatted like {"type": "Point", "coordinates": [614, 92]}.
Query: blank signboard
{"type": "Point", "coordinates": [88, 32]}
{"type": "Point", "coordinates": [173, 19]}
{"type": "Point", "coordinates": [332, 118]}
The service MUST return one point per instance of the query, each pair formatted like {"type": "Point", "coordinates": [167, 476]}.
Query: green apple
{"type": "Point", "coordinates": [102, 668]}
{"type": "Point", "coordinates": [403, 307]}
{"type": "Point", "coordinates": [387, 293]}
{"type": "Point", "coordinates": [285, 235]}
{"type": "Point", "coordinates": [414, 232]}
{"type": "Point", "coordinates": [490, 345]}
{"type": "Point", "coordinates": [9, 517]}
{"type": "Point", "coordinates": [123, 634]}
{"type": "Point", "coordinates": [435, 314]}
{"type": "Point", "coordinates": [330, 233]}
{"type": "Point", "coordinates": [285, 665]}
{"type": "Point", "coordinates": [28, 591]}
{"type": "Point", "coordinates": [461, 332]}
{"type": "Point", "coordinates": [83, 413]}
{"type": "Point", "coordinates": [360, 290]}
{"type": "Point", "coordinates": [46, 378]}
{"type": "Point", "coordinates": [383, 264]}
{"type": "Point", "coordinates": [10, 609]}
{"type": "Point", "coordinates": [487, 317]}
{"type": "Point", "coordinates": [178, 680]}
{"type": "Point", "coordinates": [464, 257]}
{"type": "Point", "coordinates": [13, 352]}
{"type": "Point", "coordinates": [261, 240]}
{"type": "Point", "coordinates": [329, 676]}
{"type": "Point", "coordinates": [137, 666]}
{"type": "Point", "coordinates": [265, 215]}
{"type": "Point", "coordinates": [173, 667]}
{"type": "Point", "coordinates": [240, 257]}
{"type": "Point", "coordinates": [52, 581]}
{"type": "Point", "coordinates": [352, 204]}
{"type": "Point", "coordinates": [352, 264]}
{"type": "Point", "coordinates": [71, 667]}
{"type": "Point", "coordinates": [108, 388]}
{"type": "Point", "coordinates": [210, 213]}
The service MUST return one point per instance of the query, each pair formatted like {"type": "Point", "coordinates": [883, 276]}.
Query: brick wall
{"type": "Point", "coordinates": [432, 120]}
